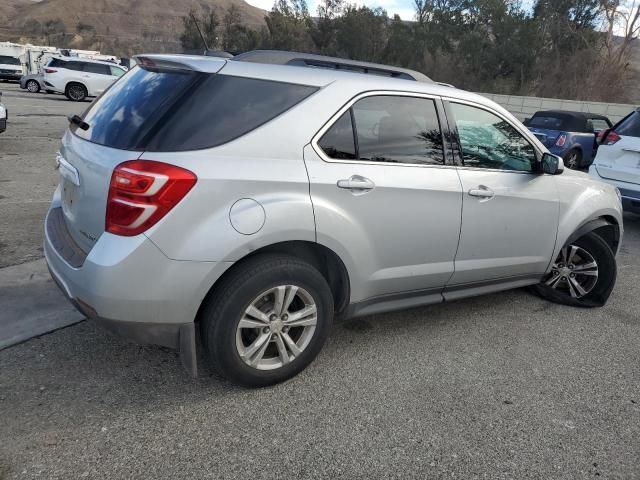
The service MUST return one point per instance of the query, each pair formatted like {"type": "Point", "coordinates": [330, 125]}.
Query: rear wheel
{"type": "Point", "coordinates": [267, 320]}
{"type": "Point", "coordinates": [76, 92]}
{"type": "Point", "coordinates": [583, 275]}
{"type": "Point", "coordinates": [33, 86]}
{"type": "Point", "coordinates": [573, 159]}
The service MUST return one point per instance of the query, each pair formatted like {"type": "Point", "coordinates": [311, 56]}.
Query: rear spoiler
{"type": "Point", "coordinates": [196, 63]}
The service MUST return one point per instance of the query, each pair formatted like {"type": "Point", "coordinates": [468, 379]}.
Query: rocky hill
{"type": "Point", "coordinates": [124, 25]}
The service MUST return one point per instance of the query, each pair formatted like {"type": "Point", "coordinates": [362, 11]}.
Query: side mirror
{"type": "Point", "coordinates": [552, 164]}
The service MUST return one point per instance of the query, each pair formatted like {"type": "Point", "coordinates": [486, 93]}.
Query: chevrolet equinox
{"type": "Point", "coordinates": [241, 204]}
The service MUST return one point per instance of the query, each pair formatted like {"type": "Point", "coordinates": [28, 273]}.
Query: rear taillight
{"type": "Point", "coordinates": [562, 139]}
{"type": "Point", "coordinates": [602, 134]}
{"type": "Point", "coordinates": [141, 192]}
{"type": "Point", "coordinates": [611, 138]}
{"type": "Point", "coordinates": [50, 70]}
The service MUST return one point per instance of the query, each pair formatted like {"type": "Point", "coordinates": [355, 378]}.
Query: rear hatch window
{"type": "Point", "coordinates": [177, 110]}
{"type": "Point", "coordinates": [629, 126]}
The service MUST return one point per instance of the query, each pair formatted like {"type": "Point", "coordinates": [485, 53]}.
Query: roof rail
{"type": "Point", "coordinates": [279, 57]}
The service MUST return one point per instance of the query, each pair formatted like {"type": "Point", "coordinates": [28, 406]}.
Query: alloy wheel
{"type": "Point", "coordinates": [76, 92]}
{"type": "Point", "coordinates": [575, 272]}
{"type": "Point", "coordinates": [276, 327]}
{"type": "Point", "coordinates": [572, 160]}
{"type": "Point", "coordinates": [33, 86]}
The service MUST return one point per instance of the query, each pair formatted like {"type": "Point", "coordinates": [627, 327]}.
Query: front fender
{"type": "Point", "coordinates": [585, 205]}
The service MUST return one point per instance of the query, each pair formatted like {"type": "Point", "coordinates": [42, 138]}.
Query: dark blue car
{"type": "Point", "coordinates": [571, 135]}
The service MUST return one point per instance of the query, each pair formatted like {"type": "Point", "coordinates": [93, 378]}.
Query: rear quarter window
{"type": "Point", "coordinates": [175, 110]}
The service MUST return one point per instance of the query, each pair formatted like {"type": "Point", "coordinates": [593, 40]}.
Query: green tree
{"type": "Point", "coordinates": [323, 32]}
{"type": "Point", "coordinates": [237, 37]}
{"type": "Point", "coordinates": [362, 33]}
{"type": "Point", "coordinates": [190, 37]}
{"type": "Point", "coordinates": [288, 25]}
{"type": "Point", "coordinates": [399, 49]}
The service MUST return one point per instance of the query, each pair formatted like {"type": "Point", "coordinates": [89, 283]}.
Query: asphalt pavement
{"type": "Point", "coordinates": [501, 386]}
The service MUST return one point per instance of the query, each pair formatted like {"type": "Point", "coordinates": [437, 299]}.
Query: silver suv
{"type": "Point", "coordinates": [247, 202]}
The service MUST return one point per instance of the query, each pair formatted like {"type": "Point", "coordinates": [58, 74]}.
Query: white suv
{"type": "Point", "coordinates": [618, 160]}
{"type": "Point", "coordinates": [80, 78]}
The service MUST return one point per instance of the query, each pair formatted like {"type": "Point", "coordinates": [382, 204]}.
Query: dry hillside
{"type": "Point", "coordinates": [633, 84]}
{"type": "Point", "coordinates": [123, 24]}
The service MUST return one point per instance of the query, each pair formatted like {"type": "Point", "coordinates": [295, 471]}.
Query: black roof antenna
{"type": "Point", "coordinates": [193, 17]}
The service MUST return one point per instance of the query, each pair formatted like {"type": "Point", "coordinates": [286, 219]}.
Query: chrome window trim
{"type": "Point", "coordinates": [375, 93]}
{"type": "Point", "coordinates": [526, 133]}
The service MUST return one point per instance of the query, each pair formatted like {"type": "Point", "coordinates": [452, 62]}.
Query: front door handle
{"type": "Point", "coordinates": [356, 182]}
{"type": "Point", "coordinates": [482, 192]}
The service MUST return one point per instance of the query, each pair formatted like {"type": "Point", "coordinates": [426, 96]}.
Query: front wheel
{"type": "Point", "coordinates": [583, 275]}
{"type": "Point", "coordinates": [267, 320]}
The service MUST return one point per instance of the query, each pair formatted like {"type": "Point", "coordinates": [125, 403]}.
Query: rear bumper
{"type": "Point", "coordinates": [630, 192]}
{"type": "Point", "coordinates": [127, 285]}
{"type": "Point", "coordinates": [50, 86]}
{"type": "Point", "coordinates": [180, 336]}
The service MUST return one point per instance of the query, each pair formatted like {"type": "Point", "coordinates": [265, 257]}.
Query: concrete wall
{"type": "Point", "coordinates": [525, 107]}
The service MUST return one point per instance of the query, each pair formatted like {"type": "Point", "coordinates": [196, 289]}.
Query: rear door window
{"type": "Point", "coordinates": [398, 129]}
{"type": "Point", "coordinates": [177, 110]}
{"type": "Point", "coordinates": [629, 126]}
{"type": "Point", "coordinates": [388, 128]}
{"type": "Point", "coordinates": [76, 66]}
{"type": "Point", "coordinates": [98, 68]}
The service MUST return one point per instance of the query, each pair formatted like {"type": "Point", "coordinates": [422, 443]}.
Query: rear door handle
{"type": "Point", "coordinates": [482, 192]}
{"type": "Point", "coordinates": [356, 182]}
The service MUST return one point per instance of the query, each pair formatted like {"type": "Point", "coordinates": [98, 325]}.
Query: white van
{"type": "Point", "coordinates": [10, 68]}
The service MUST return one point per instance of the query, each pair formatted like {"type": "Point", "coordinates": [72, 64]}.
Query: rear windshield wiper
{"type": "Point", "coordinates": [76, 120]}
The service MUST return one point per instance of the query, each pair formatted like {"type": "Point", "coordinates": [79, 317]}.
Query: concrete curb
{"type": "Point", "coordinates": [31, 304]}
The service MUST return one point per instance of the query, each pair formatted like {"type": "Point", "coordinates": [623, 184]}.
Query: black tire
{"type": "Point", "coordinates": [607, 273]}
{"type": "Point", "coordinates": [76, 92]}
{"type": "Point", "coordinates": [33, 86]}
{"type": "Point", "coordinates": [573, 159]}
{"type": "Point", "coordinates": [226, 306]}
